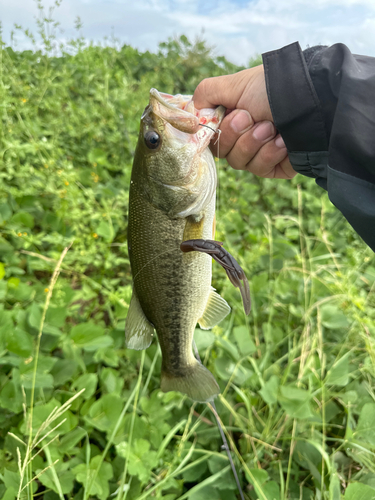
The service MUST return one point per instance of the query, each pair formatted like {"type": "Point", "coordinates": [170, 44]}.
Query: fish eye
{"type": "Point", "coordinates": [152, 139]}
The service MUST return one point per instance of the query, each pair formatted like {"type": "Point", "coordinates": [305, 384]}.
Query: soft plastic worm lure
{"type": "Point", "coordinates": [234, 271]}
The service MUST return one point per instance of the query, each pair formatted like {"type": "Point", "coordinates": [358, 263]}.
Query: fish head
{"type": "Point", "coordinates": [172, 157]}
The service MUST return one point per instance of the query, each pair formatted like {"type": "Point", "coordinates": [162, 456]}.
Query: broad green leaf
{"type": "Point", "coordinates": [334, 487]}
{"type": "Point", "coordinates": [258, 476]}
{"type": "Point", "coordinates": [13, 283]}
{"type": "Point", "coordinates": [258, 479]}
{"type": "Point", "coordinates": [106, 231]}
{"type": "Point", "coordinates": [333, 318]}
{"type": "Point", "coordinates": [110, 381]}
{"type": "Point", "coordinates": [90, 336]}
{"type": "Point", "coordinates": [43, 378]}
{"type": "Point", "coordinates": [88, 381]}
{"type": "Point", "coordinates": [154, 407]}
{"type": "Point", "coordinates": [19, 342]}
{"type": "Point", "coordinates": [6, 322]}
{"type": "Point", "coordinates": [359, 491]}
{"type": "Point", "coordinates": [66, 480]}
{"type": "Point", "coordinates": [203, 338]}
{"type": "Point", "coordinates": [270, 389]}
{"type": "Point", "coordinates": [141, 459]}
{"type": "Point", "coordinates": [64, 370]}
{"type": "Point", "coordinates": [56, 316]}
{"type": "Point", "coordinates": [225, 367]}
{"type": "Point", "coordinates": [272, 490]}
{"type": "Point", "coordinates": [339, 373]}
{"type": "Point", "coordinates": [11, 397]}
{"type": "Point", "coordinates": [19, 291]}
{"type": "Point", "coordinates": [229, 347]}
{"type": "Point", "coordinates": [11, 479]}
{"type": "Point", "coordinates": [225, 480]}
{"type": "Point", "coordinates": [71, 439]}
{"type": "Point", "coordinates": [85, 333]}
{"type": "Point", "coordinates": [105, 412]}
{"type": "Point", "coordinates": [35, 316]}
{"type": "Point", "coordinates": [98, 343]}
{"type": "Point", "coordinates": [296, 402]}
{"type": "Point", "coordinates": [5, 212]}
{"type": "Point", "coordinates": [194, 473]}
{"type": "Point", "coordinates": [308, 457]}
{"type": "Point", "coordinates": [205, 493]}
{"type": "Point", "coordinates": [23, 219]}
{"type": "Point", "coordinates": [365, 430]}
{"type": "Point", "coordinates": [10, 494]}
{"type": "Point", "coordinates": [244, 340]}
{"type": "Point", "coordinates": [215, 463]}
{"type": "Point", "coordinates": [85, 474]}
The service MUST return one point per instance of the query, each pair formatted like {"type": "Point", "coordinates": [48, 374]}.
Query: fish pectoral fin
{"type": "Point", "coordinates": [138, 330]}
{"type": "Point", "coordinates": [216, 310]}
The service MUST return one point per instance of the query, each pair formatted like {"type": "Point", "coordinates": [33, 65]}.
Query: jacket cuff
{"type": "Point", "coordinates": [294, 103]}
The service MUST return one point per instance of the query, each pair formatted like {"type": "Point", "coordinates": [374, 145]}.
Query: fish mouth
{"type": "Point", "coordinates": [186, 123]}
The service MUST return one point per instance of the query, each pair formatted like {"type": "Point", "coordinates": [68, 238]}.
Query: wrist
{"type": "Point", "coordinates": [254, 94]}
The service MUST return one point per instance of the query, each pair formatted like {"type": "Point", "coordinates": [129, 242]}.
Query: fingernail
{"type": "Point", "coordinates": [280, 142]}
{"type": "Point", "coordinates": [241, 121]}
{"type": "Point", "coordinates": [264, 131]}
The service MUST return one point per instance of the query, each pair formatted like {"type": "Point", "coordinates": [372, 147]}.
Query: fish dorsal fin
{"type": "Point", "coordinates": [216, 310]}
{"type": "Point", "coordinates": [138, 330]}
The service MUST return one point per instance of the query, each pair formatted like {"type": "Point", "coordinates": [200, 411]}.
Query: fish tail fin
{"type": "Point", "coordinates": [198, 383]}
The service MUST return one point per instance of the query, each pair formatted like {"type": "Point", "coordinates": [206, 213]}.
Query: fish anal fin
{"type": "Point", "coordinates": [198, 383]}
{"type": "Point", "coordinates": [216, 310]}
{"type": "Point", "coordinates": [138, 330]}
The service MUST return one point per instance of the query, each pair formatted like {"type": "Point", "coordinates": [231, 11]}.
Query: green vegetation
{"type": "Point", "coordinates": [81, 416]}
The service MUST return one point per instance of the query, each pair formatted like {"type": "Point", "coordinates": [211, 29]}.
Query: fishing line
{"type": "Point", "coordinates": [225, 442]}
{"type": "Point", "coordinates": [153, 258]}
{"type": "Point", "coordinates": [218, 169]}
{"type": "Point", "coordinates": [218, 132]}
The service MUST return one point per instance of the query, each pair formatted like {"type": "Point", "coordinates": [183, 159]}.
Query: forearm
{"type": "Point", "coordinates": [323, 104]}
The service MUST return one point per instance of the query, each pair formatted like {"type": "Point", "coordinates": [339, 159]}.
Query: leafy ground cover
{"type": "Point", "coordinates": [82, 417]}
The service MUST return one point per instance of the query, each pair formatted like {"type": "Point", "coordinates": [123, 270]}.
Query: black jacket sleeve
{"type": "Point", "coordinates": [323, 104]}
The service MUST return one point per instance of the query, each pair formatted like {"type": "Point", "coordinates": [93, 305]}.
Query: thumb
{"type": "Point", "coordinates": [220, 90]}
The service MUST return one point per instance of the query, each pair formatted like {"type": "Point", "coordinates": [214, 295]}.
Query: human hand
{"type": "Point", "coordinates": [248, 137]}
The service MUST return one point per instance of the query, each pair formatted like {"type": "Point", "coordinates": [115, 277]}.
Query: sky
{"type": "Point", "coordinates": [238, 29]}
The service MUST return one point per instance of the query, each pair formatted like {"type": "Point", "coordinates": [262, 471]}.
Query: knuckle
{"type": "Point", "coordinates": [246, 149]}
{"type": "Point", "coordinates": [203, 86]}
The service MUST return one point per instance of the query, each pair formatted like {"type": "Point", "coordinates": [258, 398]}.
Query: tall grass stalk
{"type": "Point", "coordinates": [121, 493]}
{"type": "Point", "coordinates": [31, 444]}
{"type": "Point", "coordinates": [111, 439]}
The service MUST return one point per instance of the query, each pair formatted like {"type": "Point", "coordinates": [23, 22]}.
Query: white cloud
{"type": "Point", "coordinates": [237, 28]}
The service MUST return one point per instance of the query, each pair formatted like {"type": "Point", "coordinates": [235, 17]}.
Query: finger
{"type": "Point", "coordinates": [250, 144]}
{"type": "Point", "coordinates": [284, 170]}
{"type": "Point", "coordinates": [232, 127]}
{"type": "Point", "coordinates": [272, 161]}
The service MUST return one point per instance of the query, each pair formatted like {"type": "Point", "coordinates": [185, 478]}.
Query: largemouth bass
{"type": "Point", "coordinates": [171, 200]}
